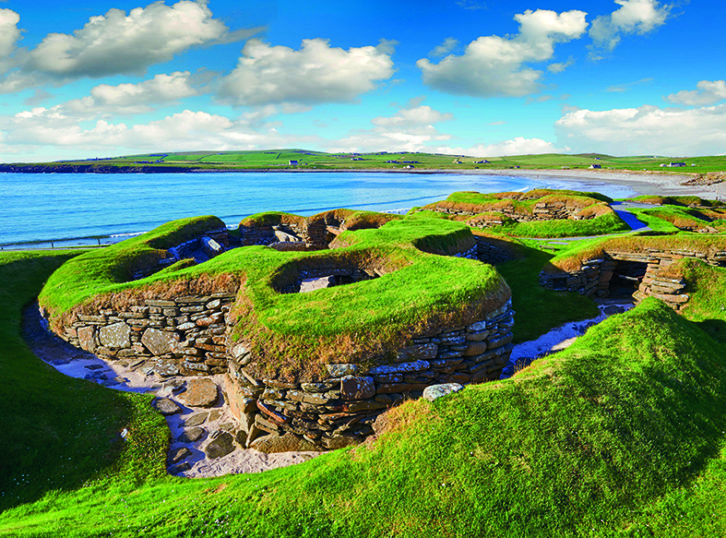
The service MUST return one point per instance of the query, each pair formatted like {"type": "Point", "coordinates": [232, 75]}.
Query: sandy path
{"type": "Point", "coordinates": [124, 376]}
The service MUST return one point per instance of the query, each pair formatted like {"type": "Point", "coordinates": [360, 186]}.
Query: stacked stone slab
{"type": "Point", "coordinates": [593, 276]}
{"type": "Point", "coordinates": [184, 335]}
{"type": "Point", "coordinates": [338, 410]}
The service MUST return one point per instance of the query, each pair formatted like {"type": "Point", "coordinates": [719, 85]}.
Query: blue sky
{"type": "Point", "coordinates": [484, 78]}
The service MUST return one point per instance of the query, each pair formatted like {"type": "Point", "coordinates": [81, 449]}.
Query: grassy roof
{"type": "Point", "coordinates": [296, 333]}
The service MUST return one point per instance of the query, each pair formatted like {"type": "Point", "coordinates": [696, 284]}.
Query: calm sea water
{"type": "Point", "coordinates": [74, 207]}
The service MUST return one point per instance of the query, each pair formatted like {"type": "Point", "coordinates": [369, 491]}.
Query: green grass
{"type": "Point", "coordinates": [59, 434]}
{"type": "Point", "coordinates": [422, 287]}
{"type": "Point", "coordinates": [623, 433]}
{"type": "Point", "coordinates": [278, 159]}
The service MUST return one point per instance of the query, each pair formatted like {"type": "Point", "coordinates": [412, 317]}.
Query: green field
{"type": "Point", "coordinates": [279, 159]}
{"type": "Point", "coordinates": [622, 434]}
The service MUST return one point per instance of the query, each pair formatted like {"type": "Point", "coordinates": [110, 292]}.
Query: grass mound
{"type": "Point", "coordinates": [621, 433]}
{"type": "Point", "coordinates": [296, 334]}
{"type": "Point", "coordinates": [521, 214]}
{"type": "Point", "coordinates": [684, 201]}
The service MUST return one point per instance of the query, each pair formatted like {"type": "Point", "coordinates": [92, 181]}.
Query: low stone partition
{"type": "Point", "coordinates": [182, 336]}
{"type": "Point", "coordinates": [593, 275]}
{"type": "Point", "coordinates": [338, 410]}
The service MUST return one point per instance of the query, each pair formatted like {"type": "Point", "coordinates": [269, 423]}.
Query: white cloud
{"type": "Point", "coordinates": [494, 66]}
{"type": "Point", "coordinates": [633, 17]}
{"type": "Point", "coordinates": [410, 129]}
{"type": "Point", "coordinates": [708, 93]}
{"type": "Point", "coordinates": [449, 44]}
{"type": "Point", "coordinates": [316, 73]}
{"type": "Point", "coordinates": [118, 43]}
{"type": "Point", "coordinates": [51, 130]}
{"type": "Point", "coordinates": [559, 67]}
{"type": "Point", "coordinates": [9, 31]}
{"type": "Point", "coordinates": [515, 146]}
{"type": "Point", "coordinates": [646, 130]}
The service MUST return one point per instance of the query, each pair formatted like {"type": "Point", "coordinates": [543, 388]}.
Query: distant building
{"type": "Point", "coordinates": [293, 162]}
{"type": "Point", "coordinates": [676, 165]}
{"type": "Point", "coordinates": [409, 166]}
{"type": "Point", "coordinates": [595, 166]}
{"type": "Point", "coordinates": [481, 162]}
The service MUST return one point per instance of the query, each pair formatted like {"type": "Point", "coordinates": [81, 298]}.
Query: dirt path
{"type": "Point", "coordinates": [186, 457]}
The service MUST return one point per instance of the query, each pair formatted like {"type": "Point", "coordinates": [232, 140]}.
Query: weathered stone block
{"type": "Point", "coordinates": [357, 388]}
{"type": "Point", "coordinates": [115, 336]}
{"type": "Point", "coordinates": [160, 342]}
{"type": "Point", "coordinates": [86, 338]}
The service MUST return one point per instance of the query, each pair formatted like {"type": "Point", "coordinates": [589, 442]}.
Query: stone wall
{"type": "Point", "coordinates": [339, 410]}
{"type": "Point", "coordinates": [593, 276]}
{"type": "Point", "coordinates": [184, 336]}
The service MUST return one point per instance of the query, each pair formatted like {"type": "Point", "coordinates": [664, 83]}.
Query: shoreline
{"type": "Point", "coordinates": [640, 182]}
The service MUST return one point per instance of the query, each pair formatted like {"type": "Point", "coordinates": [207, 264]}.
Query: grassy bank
{"type": "Point", "coordinates": [620, 434]}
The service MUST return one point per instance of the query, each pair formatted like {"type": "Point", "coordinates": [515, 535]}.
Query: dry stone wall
{"type": "Point", "coordinates": [594, 275]}
{"type": "Point", "coordinates": [185, 335]}
{"type": "Point", "coordinates": [339, 410]}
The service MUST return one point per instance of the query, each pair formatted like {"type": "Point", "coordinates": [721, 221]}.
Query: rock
{"type": "Point", "coordinates": [221, 445]}
{"type": "Point", "coordinates": [175, 456]}
{"type": "Point", "coordinates": [159, 342]}
{"type": "Point", "coordinates": [241, 438]}
{"type": "Point", "coordinates": [117, 335]}
{"type": "Point", "coordinates": [182, 467]}
{"type": "Point", "coordinates": [357, 388]}
{"type": "Point", "coordinates": [210, 247]}
{"type": "Point", "coordinates": [612, 309]}
{"type": "Point", "coordinates": [340, 441]}
{"type": "Point", "coordinates": [434, 392]}
{"type": "Point", "coordinates": [86, 338]}
{"type": "Point", "coordinates": [200, 393]}
{"type": "Point", "coordinates": [289, 442]}
{"type": "Point", "coordinates": [312, 284]}
{"type": "Point", "coordinates": [165, 368]}
{"type": "Point", "coordinates": [214, 414]}
{"type": "Point", "coordinates": [403, 367]}
{"type": "Point", "coordinates": [165, 406]}
{"type": "Point", "coordinates": [340, 370]}
{"type": "Point", "coordinates": [192, 435]}
{"type": "Point", "coordinates": [418, 351]}
{"type": "Point", "coordinates": [196, 419]}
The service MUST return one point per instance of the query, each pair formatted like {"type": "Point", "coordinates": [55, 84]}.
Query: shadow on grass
{"type": "Point", "coordinates": [56, 432]}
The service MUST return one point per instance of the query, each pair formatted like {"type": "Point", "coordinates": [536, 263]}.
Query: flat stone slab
{"type": "Point", "coordinates": [221, 445]}
{"type": "Point", "coordinates": [159, 342]}
{"type": "Point", "coordinates": [196, 419]}
{"type": "Point", "coordinates": [200, 393]}
{"type": "Point", "coordinates": [165, 406]}
{"type": "Point", "coordinates": [434, 392]}
{"type": "Point", "coordinates": [117, 335]}
{"type": "Point", "coordinates": [312, 284]}
{"type": "Point", "coordinates": [192, 435]}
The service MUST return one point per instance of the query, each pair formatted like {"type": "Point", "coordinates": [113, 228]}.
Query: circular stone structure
{"type": "Point", "coordinates": [402, 305]}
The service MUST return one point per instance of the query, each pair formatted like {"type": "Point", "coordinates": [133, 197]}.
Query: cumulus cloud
{"type": "Point", "coordinates": [646, 130]}
{"type": "Point", "coordinates": [515, 146]}
{"type": "Point", "coordinates": [708, 93]}
{"type": "Point", "coordinates": [494, 65]}
{"type": "Point", "coordinates": [410, 129]}
{"type": "Point", "coordinates": [118, 43]}
{"type": "Point", "coordinates": [633, 17]}
{"type": "Point", "coordinates": [449, 44]}
{"type": "Point", "coordinates": [9, 31]}
{"type": "Point", "coordinates": [53, 130]}
{"type": "Point", "coordinates": [316, 73]}
{"type": "Point", "coordinates": [559, 67]}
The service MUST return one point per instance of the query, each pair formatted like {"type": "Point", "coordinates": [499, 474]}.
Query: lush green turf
{"type": "Point", "coordinates": [280, 159]}
{"type": "Point", "coordinates": [595, 216]}
{"type": "Point", "coordinates": [59, 434]}
{"type": "Point", "coordinates": [419, 289]}
{"type": "Point", "coordinates": [621, 433]}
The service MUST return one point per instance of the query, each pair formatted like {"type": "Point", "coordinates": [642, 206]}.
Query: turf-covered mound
{"type": "Point", "coordinates": [298, 333]}
{"type": "Point", "coordinates": [683, 201]}
{"type": "Point", "coordinates": [620, 433]}
{"type": "Point", "coordinates": [536, 213]}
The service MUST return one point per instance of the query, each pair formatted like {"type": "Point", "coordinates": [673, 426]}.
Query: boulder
{"type": "Point", "coordinates": [159, 342]}
{"type": "Point", "coordinates": [165, 406]}
{"type": "Point", "coordinates": [192, 435]}
{"type": "Point", "coordinates": [434, 392]}
{"type": "Point", "coordinates": [221, 445]}
{"type": "Point", "coordinates": [116, 335]}
{"type": "Point", "coordinates": [200, 393]}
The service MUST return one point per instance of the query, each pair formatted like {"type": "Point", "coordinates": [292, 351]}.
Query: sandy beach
{"type": "Point", "coordinates": [640, 182]}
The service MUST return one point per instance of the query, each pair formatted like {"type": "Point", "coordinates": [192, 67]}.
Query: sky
{"type": "Point", "coordinates": [475, 77]}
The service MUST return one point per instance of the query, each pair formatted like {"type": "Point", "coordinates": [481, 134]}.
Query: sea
{"type": "Point", "coordinates": [64, 210]}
